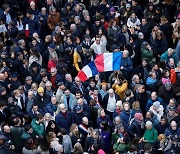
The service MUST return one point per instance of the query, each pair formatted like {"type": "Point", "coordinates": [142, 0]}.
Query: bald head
{"type": "Point", "coordinates": [2, 76]}
{"type": "Point", "coordinates": [85, 120]}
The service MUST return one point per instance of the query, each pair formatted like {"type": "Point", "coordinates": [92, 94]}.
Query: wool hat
{"type": "Point", "coordinates": [40, 90]}
{"type": "Point", "coordinates": [112, 9]}
{"type": "Point", "coordinates": [156, 104]}
{"type": "Point", "coordinates": [148, 123]}
{"type": "Point", "coordinates": [138, 116]}
{"type": "Point", "coordinates": [2, 89]}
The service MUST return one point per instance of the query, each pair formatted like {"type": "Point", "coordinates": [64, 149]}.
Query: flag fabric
{"type": "Point", "coordinates": [27, 30]}
{"type": "Point", "coordinates": [103, 62]}
{"type": "Point", "coordinates": [87, 71]}
{"type": "Point", "coordinates": [108, 61]}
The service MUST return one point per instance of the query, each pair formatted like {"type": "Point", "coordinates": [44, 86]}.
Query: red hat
{"type": "Point", "coordinates": [138, 116]}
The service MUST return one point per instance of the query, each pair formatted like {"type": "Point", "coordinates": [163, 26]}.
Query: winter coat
{"type": "Point", "coordinates": [78, 59]}
{"type": "Point", "coordinates": [64, 121]}
{"type": "Point", "coordinates": [125, 117]}
{"type": "Point", "coordinates": [146, 53]}
{"type": "Point", "coordinates": [159, 113]}
{"type": "Point", "coordinates": [150, 135]}
{"type": "Point", "coordinates": [120, 89]}
{"type": "Point", "coordinates": [53, 20]}
{"type": "Point", "coordinates": [41, 104]}
{"type": "Point", "coordinates": [105, 100]}
{"type": "Point", "coordinates": [165, 57]}
{"type": "Point", "coordinates": [38, 129]}
{"type": "Point", "coordinates": [72, 101]}
{"type": "Point", "coordinates": [135, 129]}
{"type": "Point", "coordinates": [165, 94]}
{"type": "Point", "coordinates": [150, 102]}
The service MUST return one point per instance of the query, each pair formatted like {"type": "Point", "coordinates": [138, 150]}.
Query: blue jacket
{"type": "Point", "coordinates": [64, 121]}
{"type": "Point", "coordinates": [124, 115]}
{"type": "Point", "coordinates": [150, 102]}
{"type": "Point", "coordinates": [150, 81]}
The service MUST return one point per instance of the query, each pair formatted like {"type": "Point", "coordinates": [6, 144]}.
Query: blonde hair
{"type": "Point", "coordinates": [136, 105]}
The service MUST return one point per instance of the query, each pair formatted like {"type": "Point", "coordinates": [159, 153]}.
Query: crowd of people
{"type": "Point", "coordinates": [44, 106]}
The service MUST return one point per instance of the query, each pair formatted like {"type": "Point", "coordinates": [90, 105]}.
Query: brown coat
{"type": "Point", "coordinates": [53, 20]}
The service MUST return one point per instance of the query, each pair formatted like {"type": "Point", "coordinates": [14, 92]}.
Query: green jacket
{"type": "Point", "coordinates": [148, 54]}
{"type": "Point", "coordinates": [38, 129]}
{"type": "Point", "coordinates": [150, 135]}
{"type": "Point", "coordinates": [165, 57]}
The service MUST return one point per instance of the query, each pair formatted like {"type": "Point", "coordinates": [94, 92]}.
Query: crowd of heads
{"type": "Point", "coordinates": [44, 105]}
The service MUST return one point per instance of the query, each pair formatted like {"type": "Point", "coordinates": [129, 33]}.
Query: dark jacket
{"type": "Point", "coordinates": [134, 129]}
{"type": "Point", "coordinates": [105, 100]}
{"type": "Point", "coordinates": [125, 117]}
{"type": "Point", "coordinates": [165, 94]}
{"type": "Point", "coordinates": [41, 103]}
{"type": "Point", "coordinates": [90, 141]}
{"type": "Point", "coordinates": [64, 121]}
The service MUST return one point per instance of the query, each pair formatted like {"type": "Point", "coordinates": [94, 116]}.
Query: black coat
{"type": "Point", "coordinates": [105, 100]}
{"type": "Point", "coordinates": [135, 130]}
{"type": "Point", "coordinates": [41, 103]}
{"type": "Point", "coordinates": [90, 141]}
{"type": "Point", "coordinates": [165, 94]}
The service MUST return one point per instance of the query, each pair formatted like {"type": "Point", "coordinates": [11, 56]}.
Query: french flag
{"type": "Point", "coordinates": [108, 61]}
{"type": "Point", "coordinates": [27, 30]}
{"type": "Point", "coordinates": [87, 71]}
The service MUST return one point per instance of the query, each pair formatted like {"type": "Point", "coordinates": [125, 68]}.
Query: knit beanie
{"type": "Point", "coordinates": [138, 116]}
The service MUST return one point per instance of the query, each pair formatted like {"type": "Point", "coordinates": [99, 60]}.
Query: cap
{"type": "Point", "coordinates": [60, 83]}
{"type": "Point", "coordinates": [128, 5]}
{"type": "Point", "coordinates": [79, 107]}
{"type": "Point", "coordinates": [52, 46]}
{"type": "Point", "coordinates": [148, 123]}
{"type": "Point", "coordinates": [156, 104]}
{"type": "Point", "coordinates": [168, 85]}
{"type": "Point", "coordinates": [2, 89]}
{"type": "Point", "coordinates": [79, 48]}
{"type": "Point", "coordinates": [28, 78]}
{"type": "Point", "coordinates": [112, 9]}
{"type": "Point", "coordinates": [119, 103]}
{"type": "Point", "coordinates": [14, 75]}
{"type": "Point", "coordinates": [138, 116]}
{"type": "Point", "coordinates": [172, 108]}
{"type": "Point", "coordinates": [40, 90]}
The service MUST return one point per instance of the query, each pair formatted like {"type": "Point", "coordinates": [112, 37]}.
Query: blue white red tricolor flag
{"type": "Point", "coordinates": [103, 63]}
